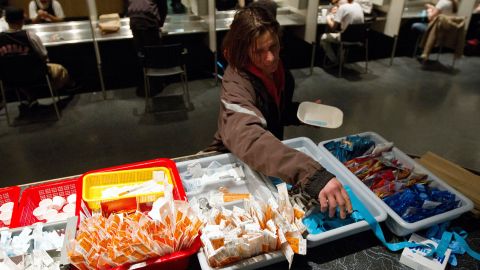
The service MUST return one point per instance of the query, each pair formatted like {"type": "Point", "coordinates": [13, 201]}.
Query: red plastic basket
{"type": "Point", "coordinates": [177, 260]}
{"type": "Point", "coordinates": [33, 195]}
{"type": "Point", "coordinates": [10, 194]}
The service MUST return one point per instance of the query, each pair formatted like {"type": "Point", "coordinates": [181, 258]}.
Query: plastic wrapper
{"type": "Point", "coordinates": [419, 202]}
{"type": "Point", "coordinates": [195, 177]}
{"type": "Point", "coordinates": [103, 243]}
{"type": "Point", "coordinates": [350, 147]}
{"type": "Point", "coordinates": [258, 227]}
{"type": "Point", "coordinates": [408, 193]}
{"type": "Point", "coordinates": [30, 248]}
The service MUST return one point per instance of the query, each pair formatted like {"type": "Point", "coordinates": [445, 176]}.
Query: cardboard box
{"type": "Point", "coordinates": [415, 257]}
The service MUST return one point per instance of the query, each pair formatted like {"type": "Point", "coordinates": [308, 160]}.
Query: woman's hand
{"type": "Point", "coordinates": [333, 195]}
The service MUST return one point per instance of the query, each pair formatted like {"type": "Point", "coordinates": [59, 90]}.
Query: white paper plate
{"type": "Point", "coordinates": [320, 115]}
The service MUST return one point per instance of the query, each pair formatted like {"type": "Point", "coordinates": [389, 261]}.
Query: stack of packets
{"type": "Point", "coordinates": [28, 256]}
{"type": "Point", "coordinates": [407, 192]}
{"type": "Point", "coordinates": [233, 235]}
{"type": "Point", "coordinates": [105, 242]}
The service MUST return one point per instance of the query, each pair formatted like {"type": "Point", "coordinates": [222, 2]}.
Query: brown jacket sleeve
{"type": "Point", "coordinates": [242, 129]}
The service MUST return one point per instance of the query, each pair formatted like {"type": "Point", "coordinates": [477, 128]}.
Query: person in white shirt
{"type": "Point", "coordinates": [447, 7]}
{"type": "Point", "coordinates": [348, 12]}
{"type": "Point", "coordinates": [45, 11]}
{"type": "Point", "coordinates": [3, 23]}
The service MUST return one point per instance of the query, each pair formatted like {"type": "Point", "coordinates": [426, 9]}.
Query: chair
{"type": "Point", "coordinates": [444, 31]}
{"type": "Point", "coordinates": [354, 35]}
{"type": "Point", "coordinates": [165, 61]}
{"type": "Point", "coordinates": [24, 71]}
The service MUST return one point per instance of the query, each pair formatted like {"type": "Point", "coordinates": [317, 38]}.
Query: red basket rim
{"type": "Point", "coordinates": [16, 219]}
{"type": "Point", "coordinates": [175, 256]}
{"type": "Point", "coordinates": [14, 192]}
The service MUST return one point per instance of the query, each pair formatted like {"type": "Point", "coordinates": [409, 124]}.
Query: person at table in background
{"type": "Point", "coordinates": [348, 12]}
{"type": "Point", "coordinates": [3, 22]}
{"type": "Point", "coordinates": [177, 6]}
{"type": "Point", "coordinates": [256, 104]}
{"type": "Point", "coordinates": [446, 7]}
{"type": "Point", "coordinates": [231, 4]}
{"type": "Point", "coordinates": [45, 11]}
{"type": "Point", "coordinates": [269, 5]}
{"type": "Point", "coordinates": [146, 19]}
{"type": "Point", "coordinates": [16, 41]}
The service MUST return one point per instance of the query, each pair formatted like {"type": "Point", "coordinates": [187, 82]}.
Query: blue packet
{"type": "Point", "coordinates": [319, 222]}
{"type": "Point", "coordinates": [419, 202]}
{"type": "Point", "coordinates": [351, 147]}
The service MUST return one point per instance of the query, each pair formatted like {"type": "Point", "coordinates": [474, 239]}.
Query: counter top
{"type": "Point", "coordinates": [413, 12]}
{"type": "Point", "coordinates": [54, 34]}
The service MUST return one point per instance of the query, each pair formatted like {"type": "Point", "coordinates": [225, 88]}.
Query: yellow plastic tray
{"type": "Point", "coordinates": [95, 183]}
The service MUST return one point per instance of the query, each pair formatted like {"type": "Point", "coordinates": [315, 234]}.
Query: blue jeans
{"type": "Point", "coordinates": [419, 27]}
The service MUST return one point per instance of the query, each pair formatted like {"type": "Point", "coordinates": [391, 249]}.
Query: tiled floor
{"type": "Point", "coordinates": [419, 109]}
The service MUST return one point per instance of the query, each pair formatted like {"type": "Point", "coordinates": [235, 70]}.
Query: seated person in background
{"type": "Point", "coordinates": [16, 41]}
{"type": "Point", "coordinates": [256, 104]}
{"type": "Point", "coordinates": [231, 4]}
{"type": "Point", "coordinates": [146, 19]}
{"type": "Point", "coordinates": [3, 22]}
{"type": "Point", "coordinates": [348, 12]}
{"type": "Point", "coordinates": [45, 11]}
{"type": "Point", "coordinates": [177, 6]}
{"type": "Point", "coordinates": [269, 5]}
{"type": "Point", "coordinates": [446, 7]}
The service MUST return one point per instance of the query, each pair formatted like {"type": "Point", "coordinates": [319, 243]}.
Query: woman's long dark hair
{"type": "Point", "coordinates": [248, 24]}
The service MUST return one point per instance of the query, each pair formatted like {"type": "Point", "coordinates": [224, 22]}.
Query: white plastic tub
{"type": "Point", "coordinates": [306, 146]}
{"type": "Point", "coordinates": [255, 184]}
{"type": "Point", "coordinates": [394, 222]}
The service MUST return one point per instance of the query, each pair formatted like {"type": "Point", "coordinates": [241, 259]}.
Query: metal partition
{"type": "Point", "coordinates": [311, 25]}
{"type": "Point", "coordinates": [93, 19]}
{"type": "Point", "coordinates": [465, 9]}
{"type": "Point", "coordinates": [391, 25]}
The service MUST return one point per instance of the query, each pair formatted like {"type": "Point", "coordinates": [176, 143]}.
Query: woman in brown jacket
{"type": "Point", "coordinates": [256, 103]}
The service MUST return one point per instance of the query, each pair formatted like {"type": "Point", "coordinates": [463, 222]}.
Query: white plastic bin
{"type": "Point", "coordinates": [307, 146]}
{"type": "Point", "coordinates": [255, 184]}
{"type": "Point", "coordinates": [394, 222]}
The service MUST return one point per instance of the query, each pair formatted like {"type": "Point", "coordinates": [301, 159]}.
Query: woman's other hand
{"type": "Point", "coordinates": [334, 195]}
